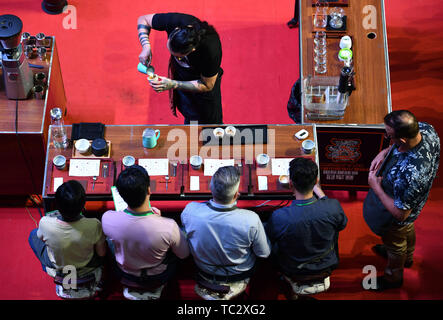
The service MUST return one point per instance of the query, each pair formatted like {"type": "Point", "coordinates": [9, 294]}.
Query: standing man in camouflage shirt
{"type": "Point", "coordinates": [400, 178]}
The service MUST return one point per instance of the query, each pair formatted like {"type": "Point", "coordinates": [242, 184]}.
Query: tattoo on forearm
{"type": "Point", "coordinates": [143, 34]}
{"type": "Point", "coordinates": [196, 85]}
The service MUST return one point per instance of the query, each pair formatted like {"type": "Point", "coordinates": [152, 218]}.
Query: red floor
{"type": "Point", "coordinates": [98, 62]}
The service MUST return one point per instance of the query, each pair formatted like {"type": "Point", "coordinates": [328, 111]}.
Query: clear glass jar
{"type": "Point", "coordinates": [58, 131]}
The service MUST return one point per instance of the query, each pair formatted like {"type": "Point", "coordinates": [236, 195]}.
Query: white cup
{"type": "Point", "coordinates": [218, 132]}
{"type": "Point", "coordinates": [82, 145]}
{"type": "Point", "coordinates": [284, 179]}
{"type": "Point", "coordinates": [345, 42]}
{"type": "Point", "coordinates": [59, 162]}
{"type": "Point", "coordinates": [128, 161]}
{"type": "Point", "coordinates": [262, 159]}
{"type": "Point", "coordinates": [196, 162]}
{"type": "Point", "coordinates": [230, 131]}
{"type": "Point", "coordinates": [308, 146]}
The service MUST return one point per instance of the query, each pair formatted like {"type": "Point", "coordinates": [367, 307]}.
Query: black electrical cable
{"type": "Point", "coordinates": [24, 157]}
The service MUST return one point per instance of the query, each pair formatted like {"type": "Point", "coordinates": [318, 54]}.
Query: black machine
{"type": "Point", "coordinates": [18, 78]}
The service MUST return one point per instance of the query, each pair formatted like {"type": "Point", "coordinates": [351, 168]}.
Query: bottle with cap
{"type": "Point", "coordinates": [58, 131]}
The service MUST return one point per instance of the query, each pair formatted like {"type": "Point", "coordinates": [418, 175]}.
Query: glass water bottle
{"type": "Point", "coordinates": [58, 131]}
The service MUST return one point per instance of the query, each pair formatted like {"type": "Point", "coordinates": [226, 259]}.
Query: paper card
{"type": "Point", "coordinates": [280, 166]}
{"type": "Point", "coordinates": [195, 183]}
{"type": "Point", "coordinates": [211, 165]}
{"type": "Point", "coordinates": [57, 183]}
{"type": "Point", "coordinates": [119, 203]}
{"type": "Point", "coordinates": [262, 183]}
{"type": "Point", "coordinates": [155, 167]}
{"type": "Point", "coordinates": [84, 168]}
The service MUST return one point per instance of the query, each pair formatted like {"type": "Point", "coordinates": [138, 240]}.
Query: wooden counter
{"type": "Point", "coordinates": [23, 148]}
{"type": "Point", "coordinates": [178, 143]}
{"type": "Point", "coordinates": [371, 100]}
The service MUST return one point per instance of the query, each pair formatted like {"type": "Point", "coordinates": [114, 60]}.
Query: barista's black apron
{"type": "Point", "coordinates": [204, 107]}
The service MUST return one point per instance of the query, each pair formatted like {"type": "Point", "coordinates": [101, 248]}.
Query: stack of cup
{"type": "Point", "coordinates": [321, 14]}
{"type": "Point", "coordinates": [320, 52]}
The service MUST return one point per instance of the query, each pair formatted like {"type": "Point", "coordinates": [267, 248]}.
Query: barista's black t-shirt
{"type": "Point", "coordinates": [206, 59]}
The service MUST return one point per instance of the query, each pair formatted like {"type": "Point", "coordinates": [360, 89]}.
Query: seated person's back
{"type": "Point", "coordinates": [224, 239]}
{"type": "Point", "coordinates": [305, 234]}
{"type": "Point", "coordinates": [141, 237]}
{"type": "Point", "coordinates": [70, 238]}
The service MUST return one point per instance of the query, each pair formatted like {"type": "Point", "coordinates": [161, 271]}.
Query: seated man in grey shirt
{"type": "Point", "coordinates": [224, 240]}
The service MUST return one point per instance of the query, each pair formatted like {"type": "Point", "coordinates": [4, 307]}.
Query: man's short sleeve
{"type": "Point", "coordinates": [260, 245]}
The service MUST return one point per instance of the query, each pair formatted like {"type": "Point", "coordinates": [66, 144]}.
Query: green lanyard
{"type": "Point", "coordinates": [306, 204]}
{"type": "Point", "coordinates": [142, 214]}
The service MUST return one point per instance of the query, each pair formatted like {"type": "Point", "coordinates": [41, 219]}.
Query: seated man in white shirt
{"type": "Point", "coordinates": [224, 240]}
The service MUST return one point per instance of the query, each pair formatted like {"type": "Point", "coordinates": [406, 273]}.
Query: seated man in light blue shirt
{"type": "Point", "coordinates": [224, 240]}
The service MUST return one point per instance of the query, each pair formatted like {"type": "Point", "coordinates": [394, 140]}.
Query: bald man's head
{"type": "Point", "coordinates": [404, 124]}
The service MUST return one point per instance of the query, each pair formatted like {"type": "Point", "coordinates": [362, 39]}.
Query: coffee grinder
{"type": "Point", "coordinates": [18, 77]}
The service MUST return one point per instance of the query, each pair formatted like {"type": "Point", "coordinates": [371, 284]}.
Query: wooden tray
{"type": "Point", "coordinates": [90, 155]}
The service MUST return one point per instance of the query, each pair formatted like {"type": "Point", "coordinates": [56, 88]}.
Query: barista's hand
{"type": "Point", "coordinates": [163, 84]}
{"type": "Point", "coordinates": [145, 56]}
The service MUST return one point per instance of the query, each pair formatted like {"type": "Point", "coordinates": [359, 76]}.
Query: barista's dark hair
{"type": "Point", "coordinates": [183, 39]}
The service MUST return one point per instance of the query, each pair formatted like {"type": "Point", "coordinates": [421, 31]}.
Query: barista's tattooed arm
{"type": "Point", "coordinates": [143, 34]}
{"type": "Point", "coordinates": [201, 85]}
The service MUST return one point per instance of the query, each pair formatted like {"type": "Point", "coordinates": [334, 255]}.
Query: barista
{"type": "Point", "coordinates": [194, 68]}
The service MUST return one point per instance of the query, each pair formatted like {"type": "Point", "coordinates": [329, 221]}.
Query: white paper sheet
{"type": "Point", "coordinates": [57, 183]}
{"type": "Point", "coordinates": [195, 183]}
{"type": "Point", "coordinates": [212, 165]}
{"type": "Point", "coordinates": [155, 167]}
{"type": "Point", "coordinates": [84, 167]}
{"type": "Point", "coordinates": [262, 183]}
{"type": "Point", "coordinates": [119, 203]}
{"type": "Point", "coordinates": [280, 166]}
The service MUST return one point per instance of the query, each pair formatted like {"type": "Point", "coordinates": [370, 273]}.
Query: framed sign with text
{"type": "Point", "coordinates": [345, 154]}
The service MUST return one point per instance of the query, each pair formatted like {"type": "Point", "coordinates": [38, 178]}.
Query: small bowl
{"type": "Point", "coordinates": [196, 162]}
{"type": "Point", "coordinates": [99, 147]}
{"type": "Point", "coordinates": [82, 145]}
{"type": "Point", "coordinates": [128, 161]}
{"type": "Point", "coordinates": [230, 131]}
{"type": "Point", "coordinates": [218, 132]}
{"type": "Point", "coordinates": [308, 146]}
{"type": "Point", "coordinates": [284, 179]}
{"type": "Point", "coordinates": [262, 159]}
{"type": "Point", "coordinates": [59, 162]}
